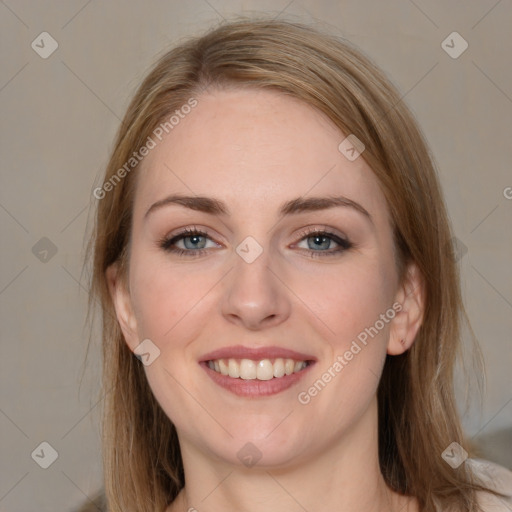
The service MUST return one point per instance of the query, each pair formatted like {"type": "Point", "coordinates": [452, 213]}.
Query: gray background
{"type": "Point", "coordinates": [59, 117]}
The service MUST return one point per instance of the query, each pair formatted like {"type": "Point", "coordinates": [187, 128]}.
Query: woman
{"type": "Point", "coordinates": [281, 307]}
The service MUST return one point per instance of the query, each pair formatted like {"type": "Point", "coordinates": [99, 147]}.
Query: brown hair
{"type": "Point", "coordinates": [417, 414]}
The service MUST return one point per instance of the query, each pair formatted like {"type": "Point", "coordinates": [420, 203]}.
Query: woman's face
{"type": "Point", "coordinates": [275, 273]}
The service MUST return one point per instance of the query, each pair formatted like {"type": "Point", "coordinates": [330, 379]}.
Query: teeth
{"type": "Point", "coordinates": [247, 369]}
{"type": "Point", "coordinates": [223, 367]}
{"type": "Point", "coordinates": [234, 369]}
{"type": "Point", "coordinates": [264, 369]}
{"type": "Point", "coordinates": [279, 368]}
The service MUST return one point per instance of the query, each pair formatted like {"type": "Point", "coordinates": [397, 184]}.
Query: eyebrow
{"type": "Point", "coordinates": [299, 205]}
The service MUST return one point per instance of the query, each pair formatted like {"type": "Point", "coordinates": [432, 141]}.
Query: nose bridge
{"type": "Point", "coordinates": [254, 296]}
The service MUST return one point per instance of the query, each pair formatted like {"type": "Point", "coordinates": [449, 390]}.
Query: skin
{"type": "Point", "coordinates": [255, 150]}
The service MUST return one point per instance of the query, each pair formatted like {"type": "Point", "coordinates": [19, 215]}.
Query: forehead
{"type": "Point", "coordinates": [253, 148]}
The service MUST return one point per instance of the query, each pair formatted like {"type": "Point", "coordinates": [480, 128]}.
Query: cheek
{"type": "Point", "coordinates": [346, 382]}
{"type": "Point", "coordinates": [358, 309]}
{"type": "Point", "coordinates": [168, 307]}
{"type": "Point", "coordinates": [350, 299]}
{"type": "Point", "coordinates": [164, 299]}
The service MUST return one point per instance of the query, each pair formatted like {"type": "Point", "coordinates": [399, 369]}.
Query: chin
{"type": "Point", "coordinates": [252, 446]}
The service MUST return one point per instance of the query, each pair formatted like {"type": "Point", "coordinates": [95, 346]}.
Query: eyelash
{"type": "Point", "coordinates": [167, 243]}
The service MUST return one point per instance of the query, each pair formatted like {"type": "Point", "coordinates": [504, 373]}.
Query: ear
{"type": "Point", "coordinates": [123, 305]}
{"type": "Point", "coordinates": [409, 317]}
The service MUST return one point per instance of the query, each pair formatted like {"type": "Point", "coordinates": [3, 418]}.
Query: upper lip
{"type": "Point", "coordinates": [256, 354]}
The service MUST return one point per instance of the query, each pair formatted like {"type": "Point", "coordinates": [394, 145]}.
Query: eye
{"type": "Point", "coordinates": [321, 243]}
{"type": "Point", "coordinates": [192, 242]}
{"type": "Point", "coordinates": [189, 242]}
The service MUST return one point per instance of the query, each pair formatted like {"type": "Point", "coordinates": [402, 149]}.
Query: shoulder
{"type": "Point", "coordinates": [497, 478]}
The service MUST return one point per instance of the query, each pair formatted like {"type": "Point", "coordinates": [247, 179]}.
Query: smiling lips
{"type": "Point", "coordinates": [256, 372]}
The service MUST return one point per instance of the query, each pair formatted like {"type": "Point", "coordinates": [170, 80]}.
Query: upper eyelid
{"type": "Point", "coordinates": [322, 230]}
{"type": "Point", "coordinates": [188, 232]}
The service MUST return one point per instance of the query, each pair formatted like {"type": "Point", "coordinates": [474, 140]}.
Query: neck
{"type": "Point", "coordinates": [345, 477]}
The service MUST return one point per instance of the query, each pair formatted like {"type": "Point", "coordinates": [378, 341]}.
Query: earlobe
{"type": "Point", "coordinates": [407, 322]}
{"type": "Point", "coordinates": [122, 303]}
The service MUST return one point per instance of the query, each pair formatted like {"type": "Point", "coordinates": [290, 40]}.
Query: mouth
{"type": "Point", "coordinates": [263, 369]}
{"type": "Point", "coordinates": [256, 372]}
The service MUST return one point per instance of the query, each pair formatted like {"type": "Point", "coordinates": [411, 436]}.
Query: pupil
{"type": "Point", "coordinates": [193, 241]}
{"type": "Point", "coordinates": [321, 240]}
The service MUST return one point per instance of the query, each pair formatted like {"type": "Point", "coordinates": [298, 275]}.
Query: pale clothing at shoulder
{"type": "Point", "coordinates": [497, 478]}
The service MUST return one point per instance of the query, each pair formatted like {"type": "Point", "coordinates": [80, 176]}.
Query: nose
{"type": "Point", "coordinates": [255, 296]}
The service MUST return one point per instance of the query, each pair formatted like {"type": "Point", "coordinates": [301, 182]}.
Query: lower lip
{"type": "Point", "coordinates": [254, 387]}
